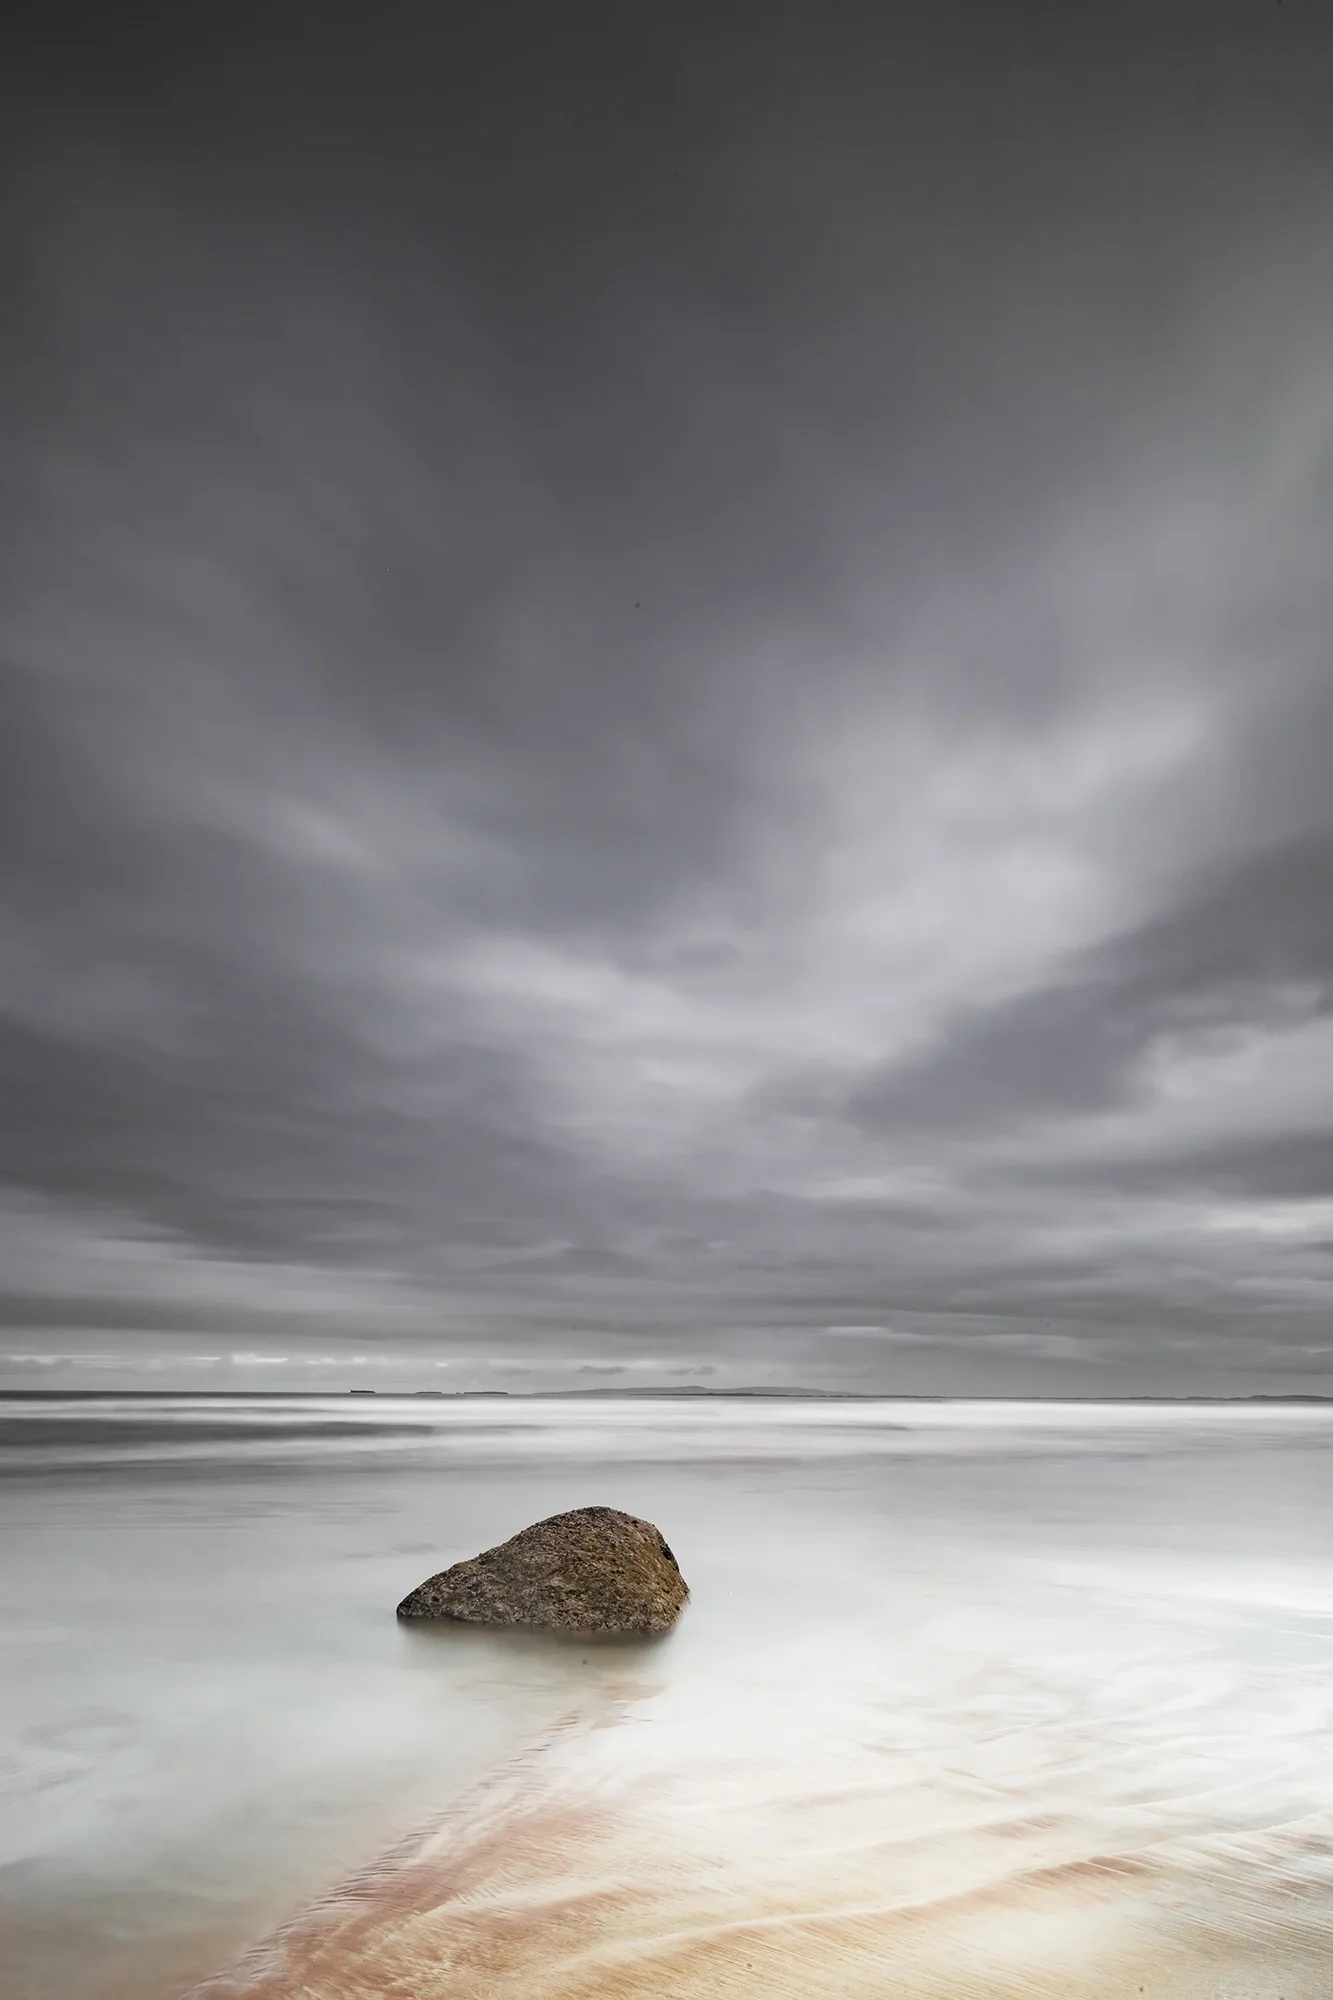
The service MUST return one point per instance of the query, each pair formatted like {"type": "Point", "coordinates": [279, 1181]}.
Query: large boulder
{"type": "Point", "coordinates": [591, 1570]}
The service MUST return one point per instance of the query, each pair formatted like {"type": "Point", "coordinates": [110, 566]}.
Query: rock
{"type": "Point", "coordinates": [591, 1570]}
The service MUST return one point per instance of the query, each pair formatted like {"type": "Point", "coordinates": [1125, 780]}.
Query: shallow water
{"type": "Point", "coordinates": [969, 1700]}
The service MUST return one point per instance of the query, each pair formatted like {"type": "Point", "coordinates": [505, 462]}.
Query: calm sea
{"type": "Point", "coordinates": [970, 1700]}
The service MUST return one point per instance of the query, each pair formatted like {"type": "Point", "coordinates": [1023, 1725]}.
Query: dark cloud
{"type": "Point", "coordinates": [666, 687]}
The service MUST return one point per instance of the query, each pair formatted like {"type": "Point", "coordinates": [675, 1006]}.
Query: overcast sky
{"type": "Point", "coordinates": [668, 697]}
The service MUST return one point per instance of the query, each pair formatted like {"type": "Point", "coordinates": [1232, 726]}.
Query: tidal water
{"type": "Point", "coordinates": [969, 1700]}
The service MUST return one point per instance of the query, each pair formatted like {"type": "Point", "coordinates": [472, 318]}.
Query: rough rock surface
{"type": "Point", "coordinates": [591, 1570]}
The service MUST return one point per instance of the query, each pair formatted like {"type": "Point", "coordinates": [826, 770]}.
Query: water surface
{"type": "Point", "coordinates": [969, 1699]}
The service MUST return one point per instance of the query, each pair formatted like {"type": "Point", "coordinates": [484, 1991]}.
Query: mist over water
{"type": "Point", "coordinates": [969, 1699]}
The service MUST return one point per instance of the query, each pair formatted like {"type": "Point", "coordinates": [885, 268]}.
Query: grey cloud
{"type": "Point", "coordinates": [1282, 1167]}
{"type": "Point", "coordinates": [641, 687]}
{"type": "Point", "coordinates": [1252, 948]}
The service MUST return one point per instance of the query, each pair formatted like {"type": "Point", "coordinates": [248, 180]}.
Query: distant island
{"type": "Point", "coordinates": [695, 1391]}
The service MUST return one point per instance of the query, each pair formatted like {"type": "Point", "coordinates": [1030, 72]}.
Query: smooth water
{"type": "Point", "coordinates": [969, 1700]}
